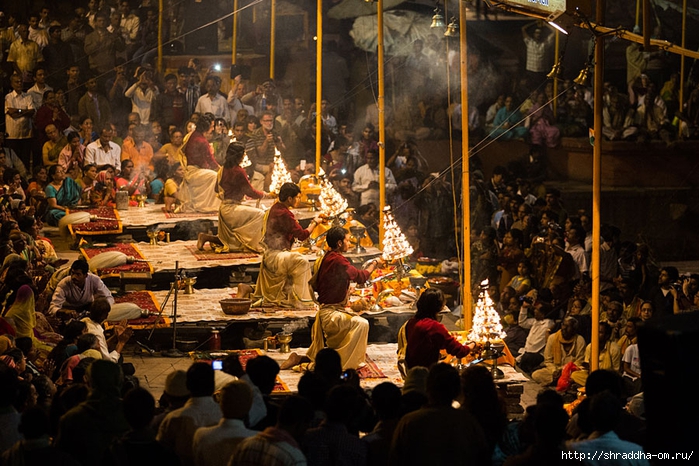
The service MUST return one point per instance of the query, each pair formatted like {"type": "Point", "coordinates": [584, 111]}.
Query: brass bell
{"type": "Point", "coordinates": [452, 29]}
{"type": "Point", "coordinates": [555, 71]}
{"type": "Point", "coordinates": [437, 20]}
{"type": "Point", "coordinates": [582, 78]}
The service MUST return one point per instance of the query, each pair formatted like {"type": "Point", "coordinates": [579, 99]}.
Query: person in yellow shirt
{"type": "Point", "coordinates": [138, 150]}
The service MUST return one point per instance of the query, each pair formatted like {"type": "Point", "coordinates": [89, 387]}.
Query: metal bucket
{"type": "Point", "coordinates": [122, 200]}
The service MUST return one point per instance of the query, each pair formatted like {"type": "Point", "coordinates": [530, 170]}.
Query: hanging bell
{"type": "Point", "coordinates": [582, 78]}
{"type": "Point", "coordinates": [452, 29]}
{"type": "Point", "coordinates": [555, 71]}
{"type": "Point", "coordinates": [437, 20]}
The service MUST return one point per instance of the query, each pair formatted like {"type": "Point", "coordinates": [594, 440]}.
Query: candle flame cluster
{"type": "Point", "coordinates": [395, 246]}
{"type": "Point", "coordinates": [332, 203]}
{"type": "Point", "coordinates": [486, 320]}
{"type": "Point", "coordinates": [245, 163]}
{"type": "Point", "coordinates": [280, 174]}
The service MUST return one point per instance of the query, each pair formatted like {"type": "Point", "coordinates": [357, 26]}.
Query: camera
{"type": "Point", "coordinates": [217, 364]}
{"type": "Point", "coordinates": [217, 67]}
{"type": "Point", "coordinates": [343, 171]}
{"type": "Point", "coordinates": [526, 299]}
{"type": "Point", "coordinates": [344, 376]}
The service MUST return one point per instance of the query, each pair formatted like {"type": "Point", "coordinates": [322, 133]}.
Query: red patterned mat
{"type": "Point", "coordinates": [244, 356]}
{"type": "Point", "coordinates": [129, 249]}
{"type": "Point", "coordinates": [210, 255]}
{"type": "Point", "coordinates": [371, 370]}
{"type": "Point", "coordinates": [146, 301]}
{"type": "Point", "coordinates": [188, 214]}
{"type": "Point", "coordinates": [107, 223]}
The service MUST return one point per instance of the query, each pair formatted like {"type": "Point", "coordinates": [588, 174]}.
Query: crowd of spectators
{"type": "Point", "coordinates": [206, 417]}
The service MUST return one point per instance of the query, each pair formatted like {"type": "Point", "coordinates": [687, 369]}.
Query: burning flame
{"type": "Point", "coordinates": [486, 320]}
{"type": "Point", "coordinates": [395, 246]}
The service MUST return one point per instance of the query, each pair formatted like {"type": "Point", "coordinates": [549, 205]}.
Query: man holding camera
{"type": "Point", "coordinates": [263, 142]}
{"type": "Point", "coordinates": [539, 328]}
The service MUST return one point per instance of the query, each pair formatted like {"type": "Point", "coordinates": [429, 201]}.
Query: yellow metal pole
{"type": "Point", "coordinates": [466, 299]}
{"type": "Point", "coordinates": [272, 37]}
{"type": "Point", "coordinates": [684, 30]}
{"type": "Point", "coordinates": [597, 186]}
{"type": "Point", "coordinates": [234, 39]}
{"type": "Point", "coordinates": [555, 76]}
{"type": "Point", "coordinates": [160, 36]}
{"type": "Point", "coordinates": [382, 116]}
{"type": "Point", "coordinates": [319, 80]}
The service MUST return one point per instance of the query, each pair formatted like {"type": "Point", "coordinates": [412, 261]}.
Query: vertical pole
{"type": "Point", "coordinates": [272, 37]}
{"type": "Point", "coordinates": [597, 185]}
{"type": "Point", "coordinates": [684, 31]}
{"type": "Point", "coordinates": [646, 26]}
{"type": "Point", "coordinates": [382, 118]}
{"type": "Point", "coordinates": [466, 300]}
{"type": "Point", "coordinates": [555, 76]}
{"type": "Point", "coordinates": [319, 80]}
{"type": "Point", "coordinates": [160, 36]}
{"type": "Point", "coordinates": [234, 39]}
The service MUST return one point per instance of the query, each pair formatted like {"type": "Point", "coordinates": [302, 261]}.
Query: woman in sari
{"type": "Point", "coordinates": [103, 193]}
{"type": "Point", "coordinates": [198, 190]}
{"type": "Point", "coordinates": [87, 182]}
{"type": "Point", "coordinates": [87, 135]}
{"type": "Point", "coordinates": [62, 193]}
{"type": "Point", "coordinates": [507, 123]}
{"type": "Point", "coordinates": [131, 180]}
{"type": "Point", "coordinates": [53, 146]}
{"type": "Point", "coordinates": [72, 156]}
{"type": "Point", "coordinates": [22, 312]}
{"type": "Point", "coordinates": [28, 324]}
{"type": "Point", "coordinates": [541, 122]}
{"type": "Point", "coordinates": [239, 226]}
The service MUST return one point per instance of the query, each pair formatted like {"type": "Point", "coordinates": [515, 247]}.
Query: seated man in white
{"type": "Point", "coordinates": [284, 274]}
{"type": "Point", "coordinates": [75, 293]}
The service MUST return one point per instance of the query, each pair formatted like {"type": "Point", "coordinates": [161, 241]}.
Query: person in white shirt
{"type": "Point", "coordinates": [78, 290]}
{"type": "Point", "coordinates": [539, 328]}
{"type": "Point", "coordinates": [366, 180]}
{"type": "Point", "coordinates": [39, 88]}
{"type": "Point", "coordinates": [103, 151]}
{"type": "Point", "coordinates": [213, 446]}
{"type": "Point", "coordinates": [142, 94]}
{"type": "Point", "coordinates": [19, 112]}
{"type": "Point", "coordinates": [212, 101]}
{"type": "Point", "coordinates": [99, 310]}
{"type": "Point", "coordinates": [177, 429]}
{"type": "Point", "coordinates": [36, 33]}
{"type": "Point", "coordinates": [575, 236]}
{"type": "Point", "coordinates": [130, 25]}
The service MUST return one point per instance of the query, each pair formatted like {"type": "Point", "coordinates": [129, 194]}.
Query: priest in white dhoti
{"type": "Point", "coordinates": [284, 274]}
{"type": "Point", "coordinates": [197, 193]}
{"type": "Point", "coordinates": [239, 225]}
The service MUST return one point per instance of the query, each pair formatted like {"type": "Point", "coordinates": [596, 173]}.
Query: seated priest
{"type": "Point", "coordinates": [75, 293]}
{"type": "Point", "coordinates": [284, 274]}
{"type": "Point", "coordinates": [239, 225]}
{"type": "Point", "coordinates": [336, 326]}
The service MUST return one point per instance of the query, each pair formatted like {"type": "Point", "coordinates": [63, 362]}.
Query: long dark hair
{"type": "Point", "coordinates": [234, 155]}
{"type": "Point", "coordinates": [430, 303]}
